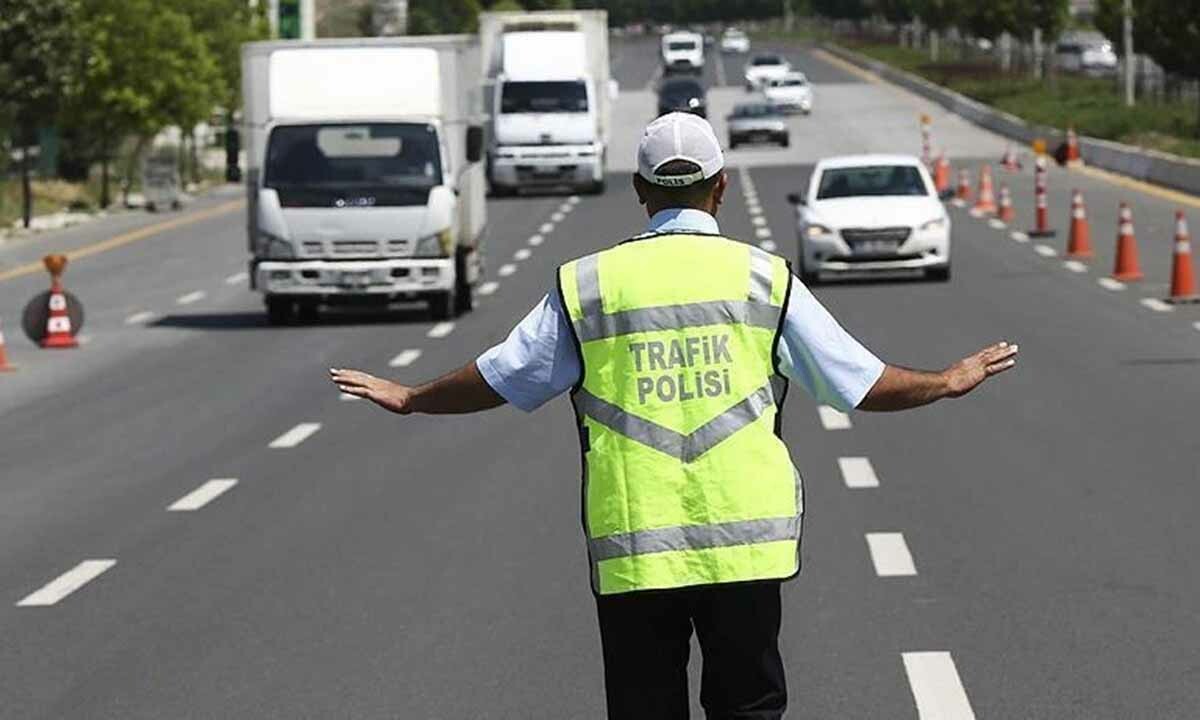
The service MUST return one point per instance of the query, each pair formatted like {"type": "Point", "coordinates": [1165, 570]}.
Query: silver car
{"type": "Point", "coordinates": [756, 123]}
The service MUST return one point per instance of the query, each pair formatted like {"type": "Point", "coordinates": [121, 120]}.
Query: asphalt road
{"type": "Point", "coordinates": [377, 567]}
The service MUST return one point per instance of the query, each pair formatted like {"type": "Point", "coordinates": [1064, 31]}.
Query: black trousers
{"type": "Point", "coordinates": [646, 638]}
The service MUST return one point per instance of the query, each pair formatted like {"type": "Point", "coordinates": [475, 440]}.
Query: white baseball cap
{"type": "Point", "coordinates": [679, 136]}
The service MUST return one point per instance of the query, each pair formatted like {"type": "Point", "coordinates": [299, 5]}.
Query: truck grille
{"type": "Point", "coordinates": [898, 235]}
{"type": "Point", "coordinates": [355, 247]}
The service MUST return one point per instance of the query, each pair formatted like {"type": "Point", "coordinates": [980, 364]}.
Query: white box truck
{"type": "Point", "coordinates": [365, 178]}
{"type": "Point", "coordinates": [550, 96]}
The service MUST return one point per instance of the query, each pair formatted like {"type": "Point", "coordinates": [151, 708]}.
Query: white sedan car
{"type": "Point", "coordinates": [864, 215]}
{"type": "Point", "coordinates": [790, 93]}
{"type": "Point", "coordinates": [765, 67]}
{"type": "Point", "coordinates": [735, 41]}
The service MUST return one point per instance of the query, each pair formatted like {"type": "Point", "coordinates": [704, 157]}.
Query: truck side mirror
{"type": "Point", "coordinates": [474, 143]}
{"type": "Point", "coordinates": [795, 198]}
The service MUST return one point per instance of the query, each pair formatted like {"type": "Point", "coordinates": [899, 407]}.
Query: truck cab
{"type": "Point", "coordinates": [683, 52]}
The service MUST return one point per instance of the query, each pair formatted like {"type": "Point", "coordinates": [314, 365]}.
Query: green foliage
{"type": "Point", "coordinates": [36, 42]}
{"type": "Point", "coordinates": [439, 17]}
{"type": "Point", "coordinates": [939, 15]}
{"type": "Point", "coordinates": [507, 6]}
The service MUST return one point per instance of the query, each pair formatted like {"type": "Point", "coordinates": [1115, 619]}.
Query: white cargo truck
{"type": "Point", "coordinates": [550, 96]}
{"type": "Point", "coordinates": [365, 178]}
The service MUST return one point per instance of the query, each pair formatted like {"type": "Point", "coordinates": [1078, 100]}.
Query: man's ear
{"type": "Point", "coordinates": [718, 194]}
{"type": "Point", "coordinates": [638, 184]}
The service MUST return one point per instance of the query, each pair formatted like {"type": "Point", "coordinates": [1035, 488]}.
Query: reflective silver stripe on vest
{"type": "Point", "coordinates": [676, 317]}
{"type": "Point", "coordinates": [694, 537]}
{"type": "Point", "coordinates": [587, 281]}
{"type": "Point", "coordinates": [762, 273]}
{"type": "Point", "coordinates": [686, 448]}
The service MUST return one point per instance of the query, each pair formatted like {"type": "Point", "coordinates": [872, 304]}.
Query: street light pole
{"type": "Point", "coordinates": [1127, 42]}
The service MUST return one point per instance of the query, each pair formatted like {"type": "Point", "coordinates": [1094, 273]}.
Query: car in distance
{"type": "Point", "coordinates": [757, 122]}
{"type": "Point", "coordinates": [790, 93]}
{"type": "Point", "coordinates": [871, 214]}
{"type": "Point", "coordinates": [765, 67]}
{"type": "Point", "coordinates": [683, 52]}
{"type": "Point", "coordinates": [682, 94]}
{"type": "Point", "coordinates": [735, 41]}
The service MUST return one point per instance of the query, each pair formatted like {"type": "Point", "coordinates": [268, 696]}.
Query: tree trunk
{"type": "Point", "coordinates": [195, 156]}
{"type": "Point", "coordinates": [26, 189]}
{"type": "Point", "coordinates": [104, 197]}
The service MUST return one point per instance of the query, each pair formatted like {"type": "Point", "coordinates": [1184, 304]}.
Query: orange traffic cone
{"type": "Point", "coordinates": [58, 325]}
{"type": "Point", "coordinates": [4, 366]}
{"type": "Point", "coordinates": [941, 174]}
{"type": "Point", "coordinates": [1006, 212]}
{"type": "Point", "coordinates": [986, 204]}
{"type": "Point", "coordinates": [1073, 156]}
{"type": "Point", "coordinates": [1010, 162]}
{"type": "Point", "coordinates": [1127, 268]}
{"type": "Point", "coordinates": [964, 186]}
{"type": "Point", "coordinates": [1183, 281]}
{"type": "Point", "coordinates": [1079, 242]}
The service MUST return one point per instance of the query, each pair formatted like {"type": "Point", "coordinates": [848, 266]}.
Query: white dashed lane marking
{"type": "Point", "coordinates": [1196, 325]}
{"type": "Point", "coordinates": [768, 245]}
{"type": "Point", "coordinates": [936, 687]}
{"type": "Point", "coordinates": [1045, 250]}
{"type": "Point", "coordinates": [566, 207]}
{"type": "Point", "coordinates": [489, 287]}
{"type": "Point", "coordinates": [192, 297]}
{"type": "Point", "coordinates": [574, 199]}
{"type": "Point", "coordinates": [295, 436]}
{"type": "Point", "coordinates": [558, 217]}
{"type": "Point", "coordinates": [202, 495]}
{"type": "Point", "coordinates": [405, 358]}
{"type": "Point", "coordinates": [1110, 284]}
{"type": "Point", "coordinates": [236, 278]}
{"type": "Point", "coordinates": [1156, 305]}
{"type": "Point", "coordinates": [440, 330]}
{"type": "Point", "coordinates": [506, 270]}
{"type": "Point", "coordinates": [758, 221]}
{"type": "Point", "coordinates": [857, 472]}
{"type": "Point", "coordinates": [997, 224]}
{"type": "Point", "coordinates": [890, 554]}
{"type": "Point", "coordinates": [546, 228]}
{"type": "Point", "coordinates": [523, 254]}
{"type": "Point", "coordinates": [1019, 236]}
{"type": "Point", "coordinates": [347, 397]}
{"type": "Point", "coordinates": [1075, 266]}
{"type": "Point", "coordinates": [140, 318]}
{"type": "Point", "coordinates": [762, 232]}
{"type": "Point", "coordinates": [833, 419]}
{"type": "Point", "coordinates": [67, 583]}
{"type": "Point", "coordinates": [536, 240]}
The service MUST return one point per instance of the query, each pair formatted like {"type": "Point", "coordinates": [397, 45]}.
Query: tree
{"type": "Point", "coordinates": [36, 42]}
{"type": "Point", "coordinates": [1168, 31]}
{"type": "Point", "coordinates": [939, 16]}
{"type": "Point", "coordinates": [438, 17]}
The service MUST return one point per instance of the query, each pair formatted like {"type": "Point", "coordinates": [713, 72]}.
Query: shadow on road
{"type": "Point", "coordinates": [258, 320]}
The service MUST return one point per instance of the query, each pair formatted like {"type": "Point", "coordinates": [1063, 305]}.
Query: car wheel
{"type": "Point", "coordinates": [732, 144]}
{"type": "Point", "coordinates": [785, 142]}
{"type": "Point", "coordinates": [307, 312]}
{"type": "Point", "coordinates": [939, 274]}
{"type": "Point", "coordinates": [443, 305]}
{"type": "Point", "coordinates": [808, 277]}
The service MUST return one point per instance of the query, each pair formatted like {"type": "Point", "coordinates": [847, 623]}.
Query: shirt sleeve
{"type": "Point", "coordinates": [537, 362]}
{"type": "Point", "coordinates": [818, 353]}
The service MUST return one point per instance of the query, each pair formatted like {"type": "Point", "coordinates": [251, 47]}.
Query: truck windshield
{"type": "Point", "coordinates": [681, 45]}
{"type": "Point", "coordinates": [381, 164]}
{"type": "Point", "coordinates": [544, 97]}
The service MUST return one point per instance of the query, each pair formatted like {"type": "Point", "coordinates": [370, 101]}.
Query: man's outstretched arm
{"type": "Point", "coordinates": [900, 388]}
{"type": "Point", "coordinates": [462, 391]}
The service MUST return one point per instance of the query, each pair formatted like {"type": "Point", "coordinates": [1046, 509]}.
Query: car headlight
{"type": "Point", "coordinates": [934, 224]}
{"type": "Point", "coordinates": [815, 230]}
{"type": "Point", "coordinates": [693, 102]}
{"type": "Point", "coordinates": [436, 245]}
{"type": "Point", "coordinates": [275, 248]}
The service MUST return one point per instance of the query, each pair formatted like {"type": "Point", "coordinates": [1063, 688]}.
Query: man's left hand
{"type": "Point", "coordinates": [384, 393]}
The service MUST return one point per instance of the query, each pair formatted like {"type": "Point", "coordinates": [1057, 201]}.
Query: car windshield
{"type": "Point", "coordinates": [734, 34]}
{"type": "Point", "coordinates": [359, 165]}
{"type": "Point", "coordinates": [681, 45]}
{"type": "Point", "coordinates": [766, 60]}
{"type": "Point", "coordinates": [754, 111]}
{"type": "Point", "coordinates": [870, 181]}
{"type": "Point", "coordinates": [789, 82]}
{"type": "Point", "coordinates": [544, 97]}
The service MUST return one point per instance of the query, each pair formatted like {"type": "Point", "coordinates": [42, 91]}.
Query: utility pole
{"type": "Point", "coordinates": [1127, 42]}
{"type": "Point", "coordinates": [788, 18]}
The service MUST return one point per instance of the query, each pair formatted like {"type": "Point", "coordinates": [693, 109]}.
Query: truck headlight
{"type": "Point", "coordinates": [436, 245]}
{"type": "Point", "coordinates": [934, 224]}
{"type": "Point", "coordinates": [275, 248]}
{"type": "Point", "coordinates": [816, 230]}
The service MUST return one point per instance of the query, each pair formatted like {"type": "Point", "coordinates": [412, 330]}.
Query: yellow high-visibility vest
{"type": "Point", "coordinates": [686, 480]}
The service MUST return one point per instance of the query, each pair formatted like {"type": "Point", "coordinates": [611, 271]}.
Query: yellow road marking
{"type": "Point", "coordinates": [1105, 175]}
{"type": "Point", "coordinates": [126, 238]}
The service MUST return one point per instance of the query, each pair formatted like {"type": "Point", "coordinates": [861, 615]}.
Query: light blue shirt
{"type": "Point", "coordinates": [539, 361]}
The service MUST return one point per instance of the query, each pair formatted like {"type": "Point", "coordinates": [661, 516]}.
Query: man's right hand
{"type": "Point", "coordinates": [384, 393]}
{"type": "Point", "coordinates": [965, 375]}
{"type": "Point", "coordinates": [901, 388]}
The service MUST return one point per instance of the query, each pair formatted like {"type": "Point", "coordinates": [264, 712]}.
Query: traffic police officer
{"type": "Point", "coordinates": [677, 346]}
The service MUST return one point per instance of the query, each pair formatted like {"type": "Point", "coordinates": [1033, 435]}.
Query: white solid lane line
{"type": "Point", "coordinates": [857, 472]}
{"type": "Point", "coordinates": [440, 330]}
{"type": "Point", "coordinates": [489, 287]}
{"type": "Point", "coordinates": [202, 495]}
{"type": "Point", "coordinates": [546, 228]}
{"type": "Point", "coordinates": [768, 245]}
{"type": "Point", "coordinates": [295, 436]}
{"type": "Point", "coordinates": [523, 254]}
{"type": "Point", "coordinates": [890, 554]}
{"type": "Point", "coordinates": [1156, 305]}
{"type": "Point", "coordinates": [1075, 266]}
{"type": "Point", "coordinates": [67, 583]}
{"type": "Point", "coordinates": [191, 297]}
{"type": "Point", "coordinates": [405, 358]}
{"type": "Point", "coordinates": [236, 278]}
{"type": "Point", "coordinates": [1019, 236]}
{"type": "Point", "coordinates": [936, 686]}
{"type": "Point", "coordinates": [1110, 284]}
{"type": "Point", "coordinates": [506, 270]}
{"type": "Point", "coordinates": [832, 418]}
{"type": "Point", "coordinates": [1045, 250]}
{"type": "Point", "coordinates": [536, 240]}
{"type": "Point", "coordinates": [140, 318]}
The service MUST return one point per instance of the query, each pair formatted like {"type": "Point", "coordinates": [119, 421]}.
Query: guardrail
{"type": "Point", "coordinates": [1160, 168]}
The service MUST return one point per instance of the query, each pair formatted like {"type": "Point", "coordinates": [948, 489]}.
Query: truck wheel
{"type": "Point", "coordinates": [307, 312]}
{"type": "Point", "coordinates": [464, 294]}
{"type": "Point", "coordinates": [279, 311]}
{"type": "Point", "coordinates": [597, 188]}
{"type": "Point", "coordinates": [442, 305]}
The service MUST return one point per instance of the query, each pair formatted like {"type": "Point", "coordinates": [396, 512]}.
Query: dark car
{"type": "Point", "coordinates": [682, 95]}
{"type": "Point", "coordinates": [757, 122]}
